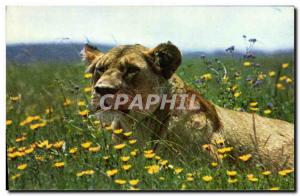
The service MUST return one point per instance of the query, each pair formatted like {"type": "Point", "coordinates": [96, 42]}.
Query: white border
{"type": "Point", "coordinates": [4, 3]}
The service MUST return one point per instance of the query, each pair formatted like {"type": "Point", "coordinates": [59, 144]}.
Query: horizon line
{"type": "Point", "coordinates": [109, 44]}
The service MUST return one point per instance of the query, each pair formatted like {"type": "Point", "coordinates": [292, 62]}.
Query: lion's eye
{"type": "Point", "coordinates": [100, 70]}
{"type": "Point", "coordinates": [132, 70]}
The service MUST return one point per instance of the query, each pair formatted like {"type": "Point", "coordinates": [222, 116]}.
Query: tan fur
{"type": "Point", "coordinates": [270, 141]}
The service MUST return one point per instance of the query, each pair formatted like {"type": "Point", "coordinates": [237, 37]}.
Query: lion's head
{"type": "Point", "coordinates": [131, 69]}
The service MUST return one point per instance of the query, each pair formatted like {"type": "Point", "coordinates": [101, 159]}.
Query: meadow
{"type": "Point", "coordinates": [55, 143]}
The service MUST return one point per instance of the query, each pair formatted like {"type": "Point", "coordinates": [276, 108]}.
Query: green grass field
{"type": "Point", "coordinates": [51, 145]}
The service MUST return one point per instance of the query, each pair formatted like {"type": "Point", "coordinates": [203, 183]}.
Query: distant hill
{"type": "Point", "coordinates": [46, 53]}
{"type": "Point", "coordinates": [22, 54]}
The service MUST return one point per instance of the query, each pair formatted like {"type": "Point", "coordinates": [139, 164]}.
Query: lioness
{"type": "Point", "coordinates": [135, 69]}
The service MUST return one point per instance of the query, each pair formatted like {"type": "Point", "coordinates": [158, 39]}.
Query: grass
{"type": "Point", "coordinates": [42, 153]}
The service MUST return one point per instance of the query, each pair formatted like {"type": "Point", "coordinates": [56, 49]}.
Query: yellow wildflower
{"type": "Point", "coordinates": [85, 172]}
{"type": "Point", "coordinates": [119, 146]}
{"type": "Point", "coordinates": [34, 126]}
{"type": "Point", "coordinates": [126, 167]}
{"type": "Point", "coordinates": [207, 178]}
{"type": "Point", "coordinates": [15, 98]}
{"type": "Point", "coordinates": [206, 76]}
{"type": "Point", "coordinates": [20, 139]}
{"type": "Point", "coordinates": [89, 172]}
{"type": "Point", "coordinates": [253, 104]}
{"type": "Point", "coordinates": [125, 158]}
{"type": "Point", "coordinates": [153, 169]}
{"type": "Point", "coordinates": [133, 153]}
{"type": "Point", "coordinates": [105, 157]}
{"type": "Point", "coordinates": [15, 176]}
{"type": "Point", "coordinates": [247, 64]}
{"type": "Point", "coordinates": [267, 111]}
{"type": "Point", "coordinates": [285, 172]}
{"type": "Point", "coordinates": [67, 102]}
{"type": "Point", "coordinates": [149, 155]}
{"type": "Point", "coordinates": [88, 75]}
{"type": "Point", "coordinates": [178, 170]}
{"type": "Point", "coordinates": [164, 162]}
{"type": "Point", "coordinates": [48, 146]}
{"type": "Point", "coordinates": [16, 154]}
{"type": "Point", "coordinates": [127, 134]}
{"type": "Point", "coordinates": [73, 150]}
{"type": "Point", "coordinates": [96, 122]}
{"type": "Point", "coordinates": [285, 65]}
{"type": "Point", "coordinates": [109, 128]}
{"type": "Point", "coordinates": [157, 157]}
{"type": "Point", "coordinates": [132, 141]}
{"type": "Point", "coordinates": [189, 174]}
{"type": "Point", "coordinates": [252, 178]}
{"type": "Point", "coordinates": [222, 156]}
{"type": "Point", "coordinates": [237, 94]}
{"type": "Point", "coordinates": [206, 147]}
{"type": "Point", "coordinates": [94, 149]}
{"type": "Point", "coordinates": [190, 178]}
{"type": "Point", "coordinates": [161, 178]}
{"type": "Point", "coordinates": [133, 189]}
{"type": "Point", "coordinates": [224, 150]}
{"type": "Point", "coordinates": [288, 171]}
{"type": "Point", "coordinates": [58, 144]}
{"type": "Point", "coordinates": [261, 76]}
{"type": "Point", "coordinates": [29, 150]}
{"type": "Point", "coordinates": [118, 131]}
{"type": "Point", "coordinates": [11, 155]}
{"type": "Point", "coordinates": [84, 113]}
{"type": "Point", "coordinates": [266, 173]}
{"type": "Point", "coordinates": [272, 73]}
{"type": "Point", "coordinates": [231, 173]}
{"type": "Point", "coordinates": [120, 181]}
{"type": "Point", "coordinates": [48, 110]}
{"type": "Point", "coordinates": [78, 174]}
{"type": "Point", "coordinates": [245, 157]}
{"type": "Point", "coordinates": [281, 78]}
{"type": "Point", "coordinates": [59, 164]}
{"type": "Point", "coordinates": [37, 125]}
{"type": "Point", "coordinates": [22, 166]}
{"type": "Point", "coordinates": [214, 164]}
{"type": "Point", "coordinates": [220, 141]}
{"type": "Point", "coordinates": [112, 172]}
{"type": "Point", "coordinates": [234, 87]}
{"type": "Point", "coordinates": [8, 122]}
{"type": "Point", "coordinates": [86, 144]}
{"type": "Point", "coordinates": [11, 149]}
{"type": "Point", "coordinates": [21, 148]}
{"type": "Point", "coordinates": [280, 86]}
{"type": "Point", "coordinates": [39, 158]}
{"type": "Point", "coordinates": [183, 186]}
{"type": "Point", "coordinates": [43, 144]}
{"type": "Point", "coordinates": [29, 119]}
{"type": "Point", "coordinates": [232, 180]}
{"type": "Point", "coordinates": [134, 182]}
{"type": "Point", "coordinates": [274, 188]}
{"type": "Point", "coordinates": [87, 89]}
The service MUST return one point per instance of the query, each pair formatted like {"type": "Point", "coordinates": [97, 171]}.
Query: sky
{"type": "Point", "coordinates": [190, 28]}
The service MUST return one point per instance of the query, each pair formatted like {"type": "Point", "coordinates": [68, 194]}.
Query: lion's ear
{"type": "Point", "coordinates": [167, 58]}
{"type": "Point", "coordinates": [89, 53]}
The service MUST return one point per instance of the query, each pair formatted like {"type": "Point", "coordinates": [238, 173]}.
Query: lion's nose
{"type": "Point", "coordinates": [103, 90]}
